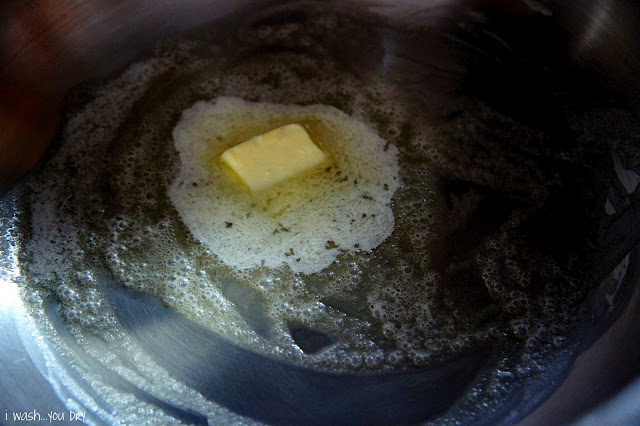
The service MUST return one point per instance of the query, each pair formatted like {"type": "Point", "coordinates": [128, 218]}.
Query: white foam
{"type": "Point", "coordinates": [303, 223]}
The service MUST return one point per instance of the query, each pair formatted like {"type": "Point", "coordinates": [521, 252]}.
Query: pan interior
{"type": "Point", "coordinates": [491, 252]}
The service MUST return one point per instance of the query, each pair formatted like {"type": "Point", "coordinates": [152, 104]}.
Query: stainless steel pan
{"type": "Point", "coordinates": [516, 56]}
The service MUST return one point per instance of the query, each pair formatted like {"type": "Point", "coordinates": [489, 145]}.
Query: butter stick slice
{"type": "Point", "coordinates": [273, 157]}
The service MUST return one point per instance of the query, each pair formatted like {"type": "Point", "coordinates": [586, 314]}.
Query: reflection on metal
{"type": "Point", "coordinates": [599, 22]}
{"type": "Point", "coordinates": [618, 410]}
{"type": "Point", "coordinates": [24, 383]}
{"type": "Point", "coordinates": [608, 207]}
{"type": "Point", "coordinates": [627, 177]}
{"type": "Point", "coordinates": [268, 390]}
{"type": "Point", "coordinates": [541, 6]}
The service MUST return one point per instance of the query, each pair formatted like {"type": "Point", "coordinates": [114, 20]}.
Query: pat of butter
{"type": "Point", "coordinates": [273, 157]}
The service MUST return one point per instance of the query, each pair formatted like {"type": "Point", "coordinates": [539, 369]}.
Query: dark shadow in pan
{"type": "Point", "coordinates": [276, 392]}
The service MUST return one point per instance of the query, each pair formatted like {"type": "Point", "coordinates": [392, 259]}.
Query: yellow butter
{"type": "Point", "coordinates": [273, 157]}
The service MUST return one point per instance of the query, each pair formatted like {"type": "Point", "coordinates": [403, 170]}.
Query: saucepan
{"type": "Point", "coordinates": [467, 253]}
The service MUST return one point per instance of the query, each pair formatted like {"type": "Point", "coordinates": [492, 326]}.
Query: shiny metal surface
{"type": "Point", "coordinates": [46, 47]}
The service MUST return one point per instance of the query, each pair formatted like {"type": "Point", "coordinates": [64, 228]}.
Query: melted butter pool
{"type": "Point", "coordinates": [342, 206]}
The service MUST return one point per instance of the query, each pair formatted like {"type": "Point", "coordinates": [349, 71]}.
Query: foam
{"type": "Point", "coordinates": [303, 223]}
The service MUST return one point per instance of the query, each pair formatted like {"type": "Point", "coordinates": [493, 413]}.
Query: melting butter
{"type": "Point", "coordinates": [273, 157]}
